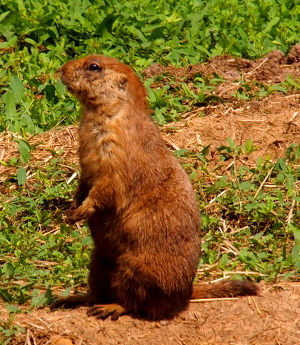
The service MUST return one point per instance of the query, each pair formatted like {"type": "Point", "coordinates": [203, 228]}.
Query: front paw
{"type": "Point", "coordinates": [70, 215]}
{"type": "Point", "coordinates": [83, 212]}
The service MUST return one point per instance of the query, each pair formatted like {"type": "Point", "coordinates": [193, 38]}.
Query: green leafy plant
{"type": "Point", "coordinates": [37, 37]}
{"type": "Point", "coordinates": [8, 330]}
{"type": "Point", "coordinates": [254, 215]}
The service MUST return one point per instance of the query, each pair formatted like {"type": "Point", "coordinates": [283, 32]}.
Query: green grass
{"type": "Point", "coordinates": [37, 248]}
{"type": "Point", "coordinates": [253, 215]}
{"type": "Point", "coordinates": [38, 36]}
{"type": "Point", "coordinates": [250, 216]}
{"type": "Point", "coordinates": [8, 330]}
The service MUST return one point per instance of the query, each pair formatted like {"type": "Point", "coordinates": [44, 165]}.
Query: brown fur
{"type": "Point", "coordinates": [140, 205]}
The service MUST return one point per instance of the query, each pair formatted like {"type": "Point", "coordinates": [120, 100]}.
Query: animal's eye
{"type": "Point", "coordinates": [94, 67]}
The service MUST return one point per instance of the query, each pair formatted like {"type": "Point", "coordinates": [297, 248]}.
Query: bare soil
{"type": "Point", "coordinates": [273, 124]}
{"type": "Point", "coordinates": [273, 318]}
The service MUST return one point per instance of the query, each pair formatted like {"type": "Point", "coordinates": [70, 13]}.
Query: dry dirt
{"type": "Point", "coordinates": [273, 123]}
{"type": "Point", "coordinates": [273, 318]}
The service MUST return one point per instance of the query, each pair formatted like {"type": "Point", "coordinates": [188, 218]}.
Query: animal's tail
{"type": "Point", "coordinates": [226, 288]}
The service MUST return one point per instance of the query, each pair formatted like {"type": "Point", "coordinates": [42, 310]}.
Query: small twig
{"type": "Point", "coordinates": [27, 340]}
{"type": "Point", "coordinates": [53, 231]}
{"type": "Point", "coordinates": [33, 325]}
{"type": "Point", "coordinates": [207, 268]}
{"type": "Point", "coordinates": [237, 230]}
{"type": "Point", "coordinates": [291, 212]}
{"type": "Point", "coordinates": [213, 299]}
{"type": "Point", "coordinates": [193, 112]}
{"type": "Point", "coordinates": [256, 68]}
{"type": "Point", "coordinates": [219, 279]}
{"type": "Point", "coordinates": [293, 116]}
{"type": "Point", "coordinates": [295, 285]}
{"type": "Point", "coordinates": [263, 182]}
{"type": "Point", "coordinates": [215, 198]}
{"type": "Point", "coordinates": [230, 164]}
{"type": "Point", "coordinates": [256, 306]}
{"type": "Point", "coordinates": [271, 186]}
{"type": "Point", "coordinates": [245, 120]}
{"type": "Point", "coordinates": [291, 121]}
{"type": "Point", "coordinates": [199, 141]}
{"type": "Point", "coordinates": [56, 318]}
{"type": "Point", "coordinates": [28, 336]}
{"type": "Point", "coordinates": [296, 95]}
{"type": "Point", "coordinates": [223, 230]}
{"type": "Point", "coordinates": [29, 176]}
{"type": "Point", "coordinates": [244, 272]}
{"type": "Point", "coordinates": [72, 178]}
{"type": "Point", "coordinates": [227, 245]}
{"type": "Point", "coordinates": [170, 143]}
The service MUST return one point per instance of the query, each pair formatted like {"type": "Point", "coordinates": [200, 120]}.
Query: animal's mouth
{"type": "Point", "coordinates": [63, 79]}
{"type": "Point", "coordinates": [69, 88]}
{"type": "Point", "coordinates": [65, 82]}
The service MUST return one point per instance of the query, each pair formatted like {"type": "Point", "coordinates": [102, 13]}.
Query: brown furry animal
{"type": "Point", "coordinates": [140, 205]}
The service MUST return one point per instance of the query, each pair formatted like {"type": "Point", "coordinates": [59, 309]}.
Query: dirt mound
{"type": "Point", "coordinates": [273, 68]}
{"type": "Point", "coordinates": [272, 122]}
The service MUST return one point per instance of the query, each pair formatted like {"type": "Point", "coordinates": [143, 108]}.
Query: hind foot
{"type": "Point", "coordinates": [102, 311]}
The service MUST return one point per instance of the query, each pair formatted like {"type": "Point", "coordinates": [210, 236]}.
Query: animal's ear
{"type": "Point", "coordinates": [123, 82]}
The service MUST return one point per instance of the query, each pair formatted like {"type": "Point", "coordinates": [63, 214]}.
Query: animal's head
{"type": "Point", "coordinates": [98, 79]}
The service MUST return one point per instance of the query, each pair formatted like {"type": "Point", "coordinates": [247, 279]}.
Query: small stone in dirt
{"type": "Point", "coordinates": [57, 340]}
{"type": "Point", "coordinates": [164, 322]}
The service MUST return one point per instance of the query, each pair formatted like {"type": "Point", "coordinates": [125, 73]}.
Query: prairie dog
{"type": "Point", "coordinates": [140, 205]}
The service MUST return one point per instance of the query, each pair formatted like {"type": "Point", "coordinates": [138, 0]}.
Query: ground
{"type": "Point", "coordinates": [270, 319]}
{"type": "Point", "coordinates": [272, 123]}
